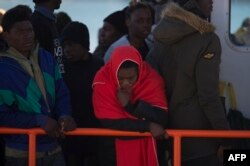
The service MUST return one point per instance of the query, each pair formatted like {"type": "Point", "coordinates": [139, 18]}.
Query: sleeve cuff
{"type": "Point", "coordinates": [41, 120]}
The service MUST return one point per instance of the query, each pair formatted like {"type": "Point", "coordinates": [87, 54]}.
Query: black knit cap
{"type": "Point", "coordinates": [181, 2]}
{"type": "Point", "coordinates": [76, 32]}
{"type": "Point", "coordinates": [40, 1]}
{"type": "Point", "coordinates": [117, 19]}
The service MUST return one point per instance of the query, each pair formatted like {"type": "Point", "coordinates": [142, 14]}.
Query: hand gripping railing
{"type": "Point", "coordinates": [176, 134]}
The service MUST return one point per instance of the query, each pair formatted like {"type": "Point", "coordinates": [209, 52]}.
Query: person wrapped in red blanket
{"type": "Point", "coordinates": [129, 95]}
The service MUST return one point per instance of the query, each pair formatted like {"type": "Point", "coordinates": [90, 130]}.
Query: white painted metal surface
{"type": "Point", "coordinates": [235, 65]}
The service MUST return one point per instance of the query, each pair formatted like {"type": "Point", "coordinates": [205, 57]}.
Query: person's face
{"type": "Point", "coordinates": [140, 22]}
{"type": "Point", "coordinates": [73, 51]}
{"type": "Point", "coordinates": [127, 78]}
{"type": "Point", "coordinates": [108, 34]}
{"type": "Point", "coordinates": [21, 37]}
{"type": "Point", "coordinates": [206, 6]}
{"type": "Point", "coordinates": [57, 3]}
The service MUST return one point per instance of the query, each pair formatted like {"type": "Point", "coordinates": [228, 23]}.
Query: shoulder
{"type": "Point", "coordinates": [10, 70]}
{"type": "Point", "coordinates": [7, 62]}
{"type": "Point", "coordinates": [97, 60]}
{"type": "Point", "coordinates": [44, 54]}
{"type": "Point", "coordinates": [211, 40]}
{"type": "Point", "coordinates": [102, 76]}
{"type": "Point", "coordinates": [37, 18]}
{"type": "Point", "coordinates": [38, 21]}
{"type": "Point", "coordinates": [122, 41]}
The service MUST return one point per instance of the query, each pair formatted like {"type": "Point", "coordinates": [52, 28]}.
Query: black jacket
{"type": "Point", "coordinates": [187, 53]}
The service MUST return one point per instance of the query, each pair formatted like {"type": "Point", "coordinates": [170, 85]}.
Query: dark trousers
{"type": "Point", "coordinates": [162, 152]}
{"type": "Point", "coordinates": [77, 159]}
{"type": "Point", "coordinates": [211, 160]}
{"type": "Point", "coordinates": [49, 160]}
{"type": "Point", "coordinates": [2, 146]}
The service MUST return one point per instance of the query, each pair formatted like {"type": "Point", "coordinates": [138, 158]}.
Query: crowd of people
{"type": "Point", "coordinates": [148, 73]}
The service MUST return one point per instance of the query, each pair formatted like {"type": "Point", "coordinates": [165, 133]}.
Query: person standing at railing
{"type": "Point", "coordinates": [129, 95]}
{"type": "Point", "coordinates": [187, 52]}
{"type": "Point", "coordinates": [81, 67]}
{"type": "Point", "coordinates": [113, 28]}
{"type": "Point", "coordinates": [32, 94]}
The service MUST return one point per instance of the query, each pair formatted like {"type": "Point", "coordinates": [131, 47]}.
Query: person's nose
{"type": "Point", "coordinates": [126, 84]}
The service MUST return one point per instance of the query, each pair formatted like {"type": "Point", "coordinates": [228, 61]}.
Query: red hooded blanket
{"type": "Point", "coordinates": [149, 87]}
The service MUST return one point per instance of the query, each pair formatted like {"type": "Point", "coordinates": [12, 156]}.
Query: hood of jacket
{"type": "Point", "coordinates": [177, 23]}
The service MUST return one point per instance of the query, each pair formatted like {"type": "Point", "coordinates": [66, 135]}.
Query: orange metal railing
{"type": "Point", "coordinates": [176, 134]}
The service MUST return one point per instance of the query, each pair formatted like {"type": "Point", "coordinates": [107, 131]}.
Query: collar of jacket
{"type": "Point", "coordinates": [45, 12]}
{"type": "Point", "coordinates": [24, 61]}
{"type": "Point", "coordinates": [13, 53]}
{"type": "Point", "coordinates": [175, 11]}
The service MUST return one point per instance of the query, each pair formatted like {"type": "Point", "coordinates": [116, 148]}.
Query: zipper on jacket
{"type": "Point", "coordinates": [33, 75]}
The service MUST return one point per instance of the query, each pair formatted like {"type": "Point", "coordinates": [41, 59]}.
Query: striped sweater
{"type": "Point", "coordinates": [23, 103]}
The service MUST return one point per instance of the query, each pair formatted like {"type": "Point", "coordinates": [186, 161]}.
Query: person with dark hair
{"type": "Point", "coordinates": [187, 53]}
{"type": "Point", "coordinates": [62, 19]}
{"type": "Point", "coordinates": [242, 36]}
{"type": "Point", "coordinates": [129, 95]}
{"type": "Point", "coordinates": [81, 67]}
{"type": "Point", "coordinates": [44, 24]}
{"type": "Point", "coordinates": [113, 28]}
{"type": "Point", "coordinates": [25, 8]}
{"type": "Point", "coordinates": [139, 19]}
{"type": "Point", "coordinates": [32, 94]}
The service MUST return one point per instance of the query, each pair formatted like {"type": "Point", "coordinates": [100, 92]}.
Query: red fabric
{"type": "Point", "coordinates": [137, 152]}
{"type": "Point", "coordinates": [149, 88]}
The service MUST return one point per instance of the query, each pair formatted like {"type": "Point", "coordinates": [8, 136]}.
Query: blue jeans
{"type": "Point", "coordinates": [48, 160]}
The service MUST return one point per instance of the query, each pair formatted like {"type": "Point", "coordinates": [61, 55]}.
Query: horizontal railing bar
{"type": "Point", "coordinates": [110, 132]}
{"type": "Point", "coordinates": [176, 134]}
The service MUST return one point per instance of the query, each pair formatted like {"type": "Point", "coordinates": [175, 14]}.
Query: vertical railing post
{"type": "Point", "coordinates": [177, 150]}
{"type": "Point", "coordinates": [32, 149]}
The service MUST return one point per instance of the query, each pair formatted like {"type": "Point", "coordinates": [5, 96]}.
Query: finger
{"type": "Point", "coordinates": [61, 135]}
{"type": "Point", "coordinates": [166, 135]}
{"type": "Point", "coordinates": [158, 136]}
{"type": "Point", "coordinates": [62, 125]}
{"type": "Point", "coordinates": [162, 136]}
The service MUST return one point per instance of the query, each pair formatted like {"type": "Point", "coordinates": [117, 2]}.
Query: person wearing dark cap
{"type": "Point", "coordinates": [44, 24]}
{"type": "Point", "coordinates": [80, 69]}
{"type": "Point", "coordinates": [187, 53]}
{"type": "Point", "coordinates": [62, 19]}
{"type": "Point", "coordinates": [113, 28]}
